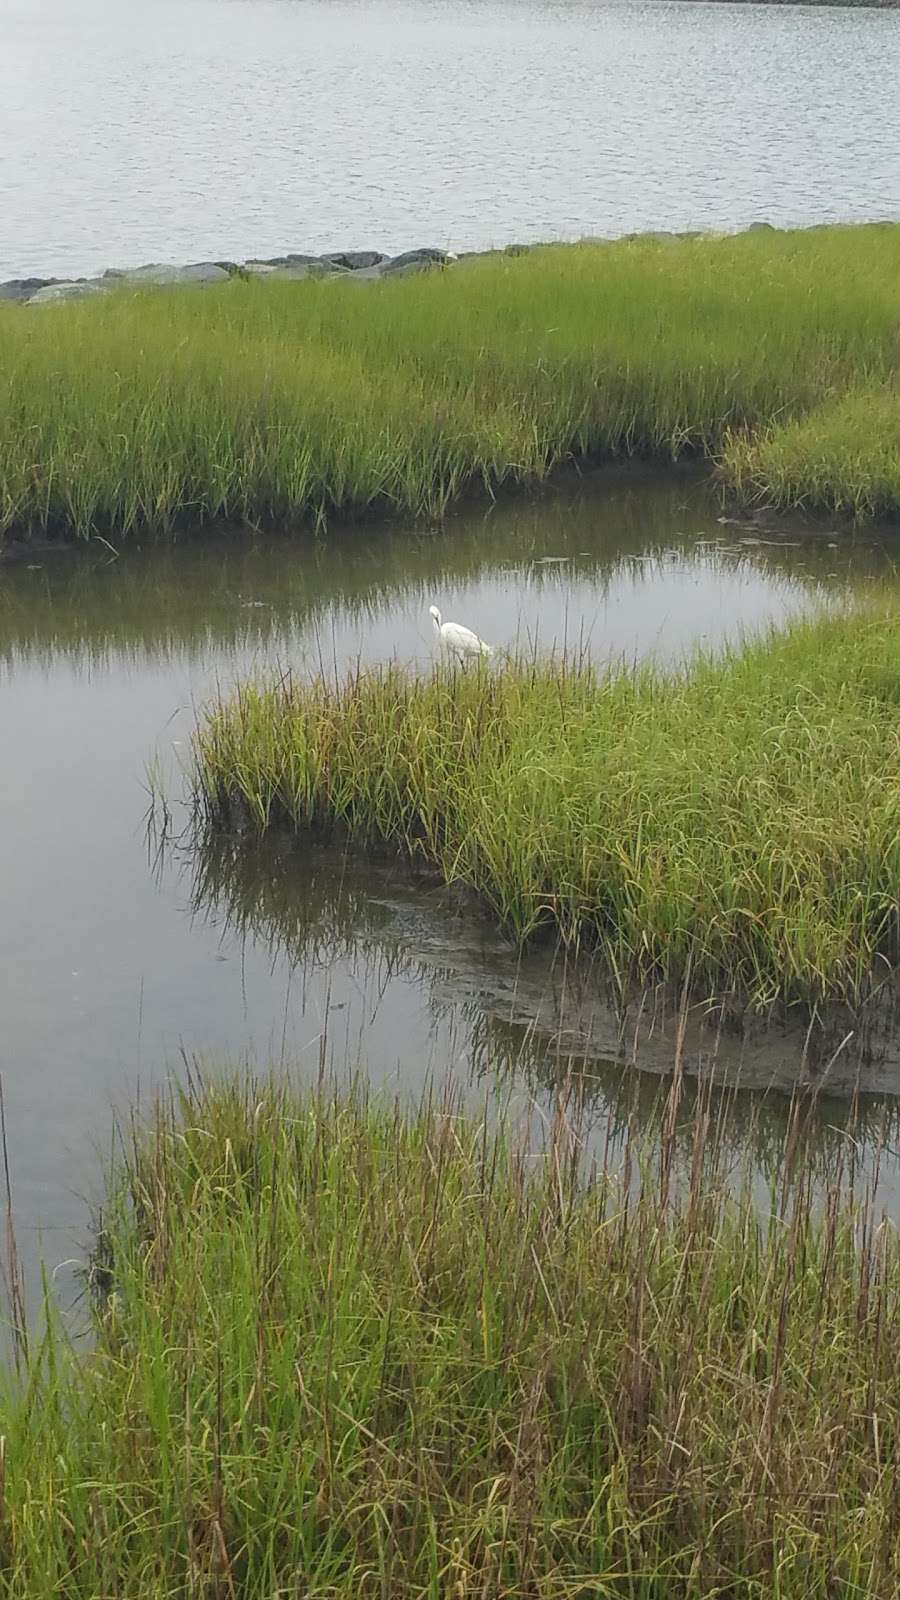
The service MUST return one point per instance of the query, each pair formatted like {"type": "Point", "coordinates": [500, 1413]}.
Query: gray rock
{"type": "Point", "coordinates": [303, 269]}
{"type": "Point", "coordinates": [77, 290]}
{"type": "Point", "coordinates": [162, 275]}
{"type": "Point", "coordinates": [762, 227]}
{"type": "Point", "coordinates": [23, 288]}
{"type": "Point", "coordinates": [293, 271]}
{"type": "Point", "coordinates": [362, 275]}
{"type": "Point", "coordinates": [357, 260]}
{"type": "Point", "coordinates": [415, 261]}
{"type": "Point", "coordinates": [408, 269]}
{"type": "Point", "coordinates": [402, 266]}
{"type": "Point", "coordinates": [363, 266]}
{"type": "Point", "coordinates": [291, 259]}
{"type": "Point", "coordinates": [299, 258]}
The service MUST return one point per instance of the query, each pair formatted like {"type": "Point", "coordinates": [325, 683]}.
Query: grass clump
{"type": "Point", "coordinates": [843, 457]}
{"type": "Point", "coordinates": [345, 1353]}
{"type": "Point", "coordinates": [739, 822]}
{"type": "Point", "coordinates": [267, 401]}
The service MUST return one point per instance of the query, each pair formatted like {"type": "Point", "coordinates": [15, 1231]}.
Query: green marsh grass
{"type": "Point", "coordinates": [737, 823]}
{"type": "Point", "coordinates": [272, 402]}
{"type": "Point", "coordinates": [345, 1351]}
{"type": "Point", "coordinates": [843, 457]}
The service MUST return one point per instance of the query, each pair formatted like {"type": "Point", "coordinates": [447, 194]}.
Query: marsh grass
{"type": "Point", "coordinates": [346, 1351]}
{"type": "Point", "coordinates": [271, 402]}
{"type": "Point", "coordinates": [842, 457]}
{"type": "Point", "coordinates": [736, 824]}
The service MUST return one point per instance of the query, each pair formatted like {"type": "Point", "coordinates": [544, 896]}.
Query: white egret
{"type": "Point", "coordinates": [460, 641]}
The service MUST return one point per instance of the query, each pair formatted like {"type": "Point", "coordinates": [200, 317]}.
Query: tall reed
{"type": "Point", "coordinates": [738, 823]}
{"type": "Point", "coordinates": [348, 1352]}
{"type": "Point", "coordinates": [844, 457]}
{"type": "Point", "coordinates": [273, 402]}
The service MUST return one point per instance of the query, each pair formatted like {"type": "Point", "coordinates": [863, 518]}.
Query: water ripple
{"type": "Point", "coordinates": [227, 127]}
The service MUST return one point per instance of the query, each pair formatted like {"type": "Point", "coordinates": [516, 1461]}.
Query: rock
{"type": "Point", "coordinates": [357, 260]}
{"type": "Point", "coordinates": [23, 288]}
{"type": "Point", "coordinates": [414, 261]}
{"type": "Point", "coordinates": [304, 269]}
{"type": "Point", "coordinates": [407, 269]}
{"type": "Point", "coordinates": [362, 266]}
{"type": "Point", "coordinates": [504, 250]}
{"type": "Point", "coordinates": [77, 290]}
{"type": "Point", "coordinates": [299, 258]}
{"type": "Point", "coordinates": [402, 266]}
{"type": "Point", "coordinates": [291, 259]}
{"type": "Point", "coordinates": [762, 227]}
{"type": "Point", "coordinates": [161, 275]}
{"type": "Point", "coordinates": [295, 271]}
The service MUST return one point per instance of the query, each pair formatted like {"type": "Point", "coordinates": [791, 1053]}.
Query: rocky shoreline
{"type": "Point", "coordinates": [362, 266]}
{"type": "Point", "coordinates": [357, 266]}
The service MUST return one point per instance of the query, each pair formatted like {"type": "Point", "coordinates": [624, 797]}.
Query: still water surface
{"type": "Point", "coordinates": [179, 129]}
{"type": "Point", "coordinates": [114, 960]}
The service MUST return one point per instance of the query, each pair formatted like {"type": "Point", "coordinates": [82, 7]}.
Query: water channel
{"type": "Point", "coordinates": [116, 957]}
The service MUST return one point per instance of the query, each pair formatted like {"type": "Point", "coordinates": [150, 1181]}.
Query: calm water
{"type": "Point", "coordinates": [113, 959]}
{"type": "Point", "coordinates": [178, 129]}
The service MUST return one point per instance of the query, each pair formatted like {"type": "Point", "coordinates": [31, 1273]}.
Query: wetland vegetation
{"type": "Point", "coordinates": [736, 823]}
{"type": "Point", "coordinates": [343, 1349]}
{"type": "Point", "coordinates": [609, 1310]}
{"type": "Point", "coordinates": [771, 355]}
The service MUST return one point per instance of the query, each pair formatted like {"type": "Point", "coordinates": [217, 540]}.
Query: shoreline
{"type": "Point", "coordinates": [363, 265]}
{"type": "Point", "coordinates": [767, 355]}
{"type": "Point", "coordinates": [775, 521]}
